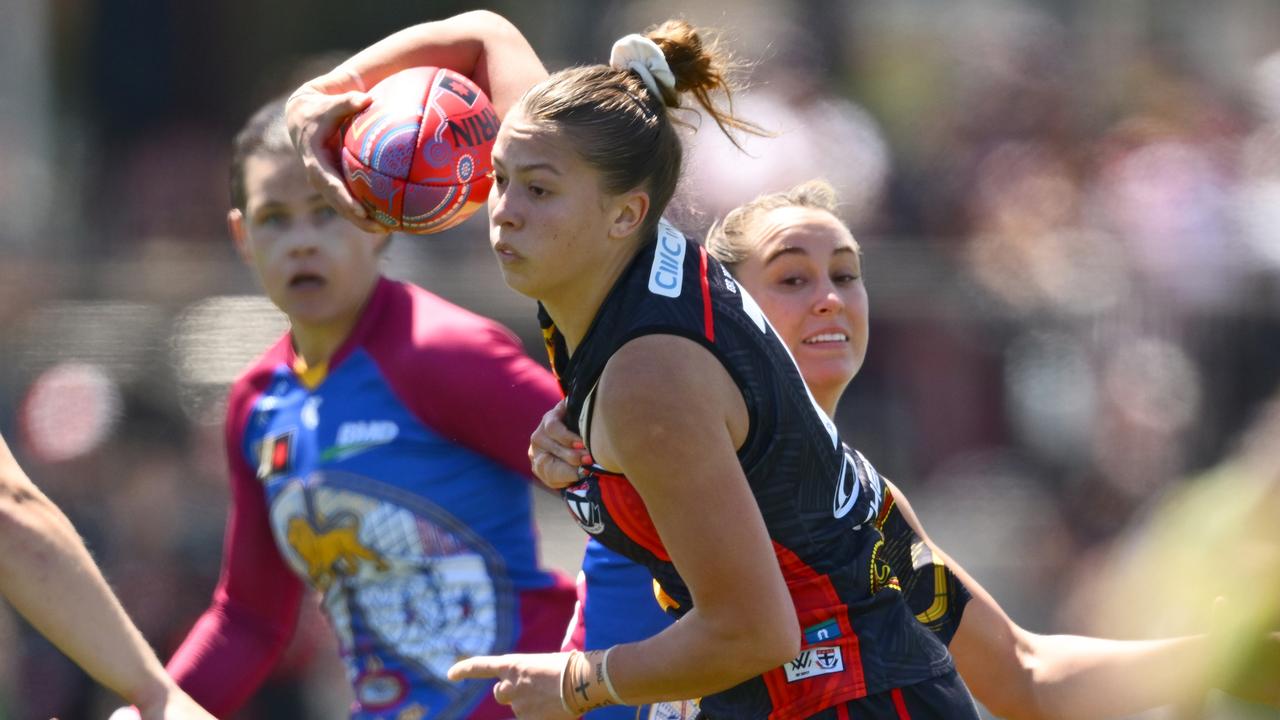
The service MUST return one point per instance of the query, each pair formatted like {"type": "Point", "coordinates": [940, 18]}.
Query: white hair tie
{"type": "Point", "coordinates": [642, 55]}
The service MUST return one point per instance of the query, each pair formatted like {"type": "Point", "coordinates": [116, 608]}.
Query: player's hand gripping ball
{"type": "Point", "coordinates": [418, 157]}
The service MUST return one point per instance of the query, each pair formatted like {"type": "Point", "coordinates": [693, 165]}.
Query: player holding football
{"type": "Point", "coordinates": [378, 456]}
{"type": "Point", "coordinates": [542, 172]}
{"type": "Point", "coordinates": [584, 165]}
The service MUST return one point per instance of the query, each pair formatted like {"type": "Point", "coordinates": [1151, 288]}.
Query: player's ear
{"type": "Point", "coordinates": [239, 237]}
{"type": "Point", "coordinates": [629, 211]}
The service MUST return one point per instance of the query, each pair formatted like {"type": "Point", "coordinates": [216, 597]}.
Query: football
{"type": "Point", "coordinates": [418, 157]}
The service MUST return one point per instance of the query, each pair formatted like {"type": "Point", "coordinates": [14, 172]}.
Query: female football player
{"type": "Point", "coordinates": [378, 456]}
{"type": "Point", "coordinates": [792, 253]}
{"type": "Point", "coordinates": [713, 464]}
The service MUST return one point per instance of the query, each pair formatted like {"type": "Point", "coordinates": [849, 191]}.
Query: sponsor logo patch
{"type": "Point", "coordinates": [815, 661]}
{"type": "Point", "coordinates": [357, 436]}
{"type": "Point", "coordinates": [666, 277]}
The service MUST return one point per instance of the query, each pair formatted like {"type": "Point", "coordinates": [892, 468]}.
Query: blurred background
{"type": "Point", "coordinates": [1070, 214]}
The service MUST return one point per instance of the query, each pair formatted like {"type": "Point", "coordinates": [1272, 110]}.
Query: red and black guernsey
{"type": "Point", "coordinates": [817, 497]}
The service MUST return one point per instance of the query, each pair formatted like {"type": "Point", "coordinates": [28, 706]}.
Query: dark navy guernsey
{"type": "Point", "coordinates": [818, 498]}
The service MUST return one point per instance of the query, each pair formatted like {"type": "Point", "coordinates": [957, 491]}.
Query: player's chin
{"type": "Point", "coordinates": [515, 274]}
{"type": "Point", "coordinates": [311, 310]}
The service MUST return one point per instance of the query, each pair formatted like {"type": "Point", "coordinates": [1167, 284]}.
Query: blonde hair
{"type": "Point", "coordinates": [625, 131]}
{"type": "Point", "coordinates": [729, 240]}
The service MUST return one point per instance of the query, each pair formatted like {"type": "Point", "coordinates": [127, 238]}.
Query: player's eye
{"type": "Point", "coordinates": [273, 219]}
{"type": "Point", "coordinates": [323, 214]}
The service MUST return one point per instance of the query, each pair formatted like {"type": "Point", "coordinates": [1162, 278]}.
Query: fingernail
{"type": "Point", "coordinates": [577, 445]}
{"type": "Point", "coordinates": [587, 459]}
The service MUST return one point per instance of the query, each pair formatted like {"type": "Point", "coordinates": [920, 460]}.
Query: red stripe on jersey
{"type": "Point", "coordinates": [629, 513]}
{"type": "Point", "coordinates": [816, 601]}
{"type": "Point", "coordinates": [900, 704]}
{"type": "Point", "coordinates": [886, 504]}
{"type": "Point", "coordinates": [842, 713]}
{"type": "Point", "coordinates": [708, 326]}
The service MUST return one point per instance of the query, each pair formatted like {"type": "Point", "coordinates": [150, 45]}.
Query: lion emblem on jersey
{"type": "Point", "coordinates": [332, 551]}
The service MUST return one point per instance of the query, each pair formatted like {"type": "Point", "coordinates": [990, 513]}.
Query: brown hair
{"type": "Point", "coordinates": [625, 131]}
{"type": "Point", "coordinates": [729, 239]}
{"type": "Point", "coordinates": [265, 133]}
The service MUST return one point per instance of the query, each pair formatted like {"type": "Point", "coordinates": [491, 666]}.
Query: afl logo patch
{"type": "Point", "coordinates": [814, 662]}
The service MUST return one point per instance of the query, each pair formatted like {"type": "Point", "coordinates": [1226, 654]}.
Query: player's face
{"type": "Point", "coordinates": [806, 274]}
{"type": "Point", "coordinates": [547, 212]}
{"type": "Point", "coordinates": [315, 266]}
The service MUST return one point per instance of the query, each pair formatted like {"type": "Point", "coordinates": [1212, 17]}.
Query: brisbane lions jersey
{"type": "Point", "coordinates": [394, 483]}
{"type": "Point", "coordinates": [817, 497]}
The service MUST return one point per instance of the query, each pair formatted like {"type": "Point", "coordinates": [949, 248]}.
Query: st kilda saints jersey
{"type": "Point", "coordinates": [817, 497]}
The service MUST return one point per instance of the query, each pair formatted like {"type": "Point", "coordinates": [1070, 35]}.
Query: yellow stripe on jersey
{"type": "Point", "coordinates": [665, 601]}
{"type": "Point", "coordinates": [311, 377]}
{"type": "Point", "coordinates": [939, 607]}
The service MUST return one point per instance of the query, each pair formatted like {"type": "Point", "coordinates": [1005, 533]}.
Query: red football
{"type": "Point", "coordinates": [418, 156]}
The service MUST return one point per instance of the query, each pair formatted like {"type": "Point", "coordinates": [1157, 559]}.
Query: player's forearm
{"type": "Point", "coordinates": [480, 44]}
{"type": "Point", "coordinates": [460, 43]}
{"type": "Point", "coordinates": [48, 576]}
{"type": "Point", "coordinates": [453, 43]}
{"type": "Point", "coordinates": [1081, 677]}
{"type": "Point", "coordinates": [694, 658]}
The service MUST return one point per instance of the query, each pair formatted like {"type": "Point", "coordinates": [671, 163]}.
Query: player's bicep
{"type": "Point", "coordinates": [667, 414]}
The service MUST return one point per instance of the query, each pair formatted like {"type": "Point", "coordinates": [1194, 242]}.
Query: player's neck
{"type": "Point", "coordinates": [574, 307]}
{"type": "Point", "coordinates": [316, 344]}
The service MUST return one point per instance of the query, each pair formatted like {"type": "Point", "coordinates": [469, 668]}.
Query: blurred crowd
{"type": "Point", "coordinates": [1069, 213]}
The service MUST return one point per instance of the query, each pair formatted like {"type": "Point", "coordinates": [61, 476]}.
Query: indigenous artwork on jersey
{"type": "Point", "coordinates": [392, 566]}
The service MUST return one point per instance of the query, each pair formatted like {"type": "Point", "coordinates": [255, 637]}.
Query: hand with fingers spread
{"type": "Point", "coordinates": [315, 115]}
{"type": "Point", "coordinates": [555, 451]}
{"type": "Point", "coordinates": [533, 685]}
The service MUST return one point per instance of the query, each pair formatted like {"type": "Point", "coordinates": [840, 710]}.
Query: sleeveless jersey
{"type": "Point", "coordinates": [818, 498]}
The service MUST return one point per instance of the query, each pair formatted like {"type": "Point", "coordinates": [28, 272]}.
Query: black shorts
{"type": "Point", "coordinates": [945, 697]}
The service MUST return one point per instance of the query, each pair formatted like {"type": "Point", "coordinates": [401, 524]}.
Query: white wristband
{"type": "Point", "coordinates": [564, 702]}
{"type": "Point", "coordinates": [608, 683]}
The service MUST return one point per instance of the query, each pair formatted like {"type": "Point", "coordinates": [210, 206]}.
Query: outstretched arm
{"type": "Point", "coordinates": [47, 574]}
{"type": "Point", "coordinates": [1023, 675]}
{"type": "Point", "coordinates": [480, 44]}
{"type": "Point", "coordinates": [669, 393]}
